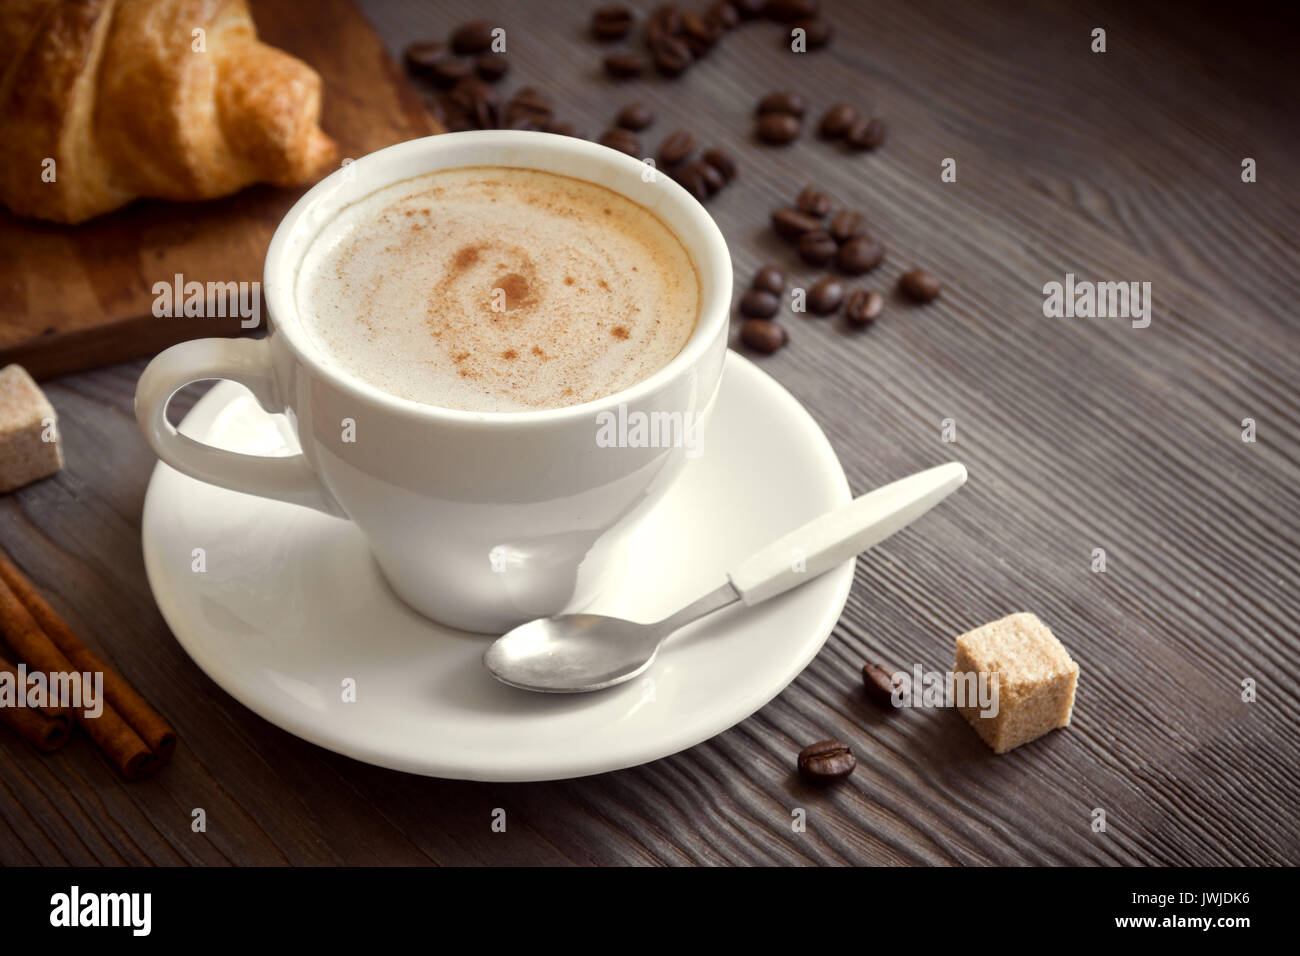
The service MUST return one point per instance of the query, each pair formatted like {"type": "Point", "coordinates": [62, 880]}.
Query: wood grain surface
{"type": "Point", "coordinates": [79, 297]}
{"type": "Point", "coordinates": [1079, 434]}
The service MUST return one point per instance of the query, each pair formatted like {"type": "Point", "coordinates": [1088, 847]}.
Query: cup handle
{"type": "Point", "coordinates": [248, 362]}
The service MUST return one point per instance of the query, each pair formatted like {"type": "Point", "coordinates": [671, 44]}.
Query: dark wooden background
{"type": "Point", "coordinates": [1078, 434]}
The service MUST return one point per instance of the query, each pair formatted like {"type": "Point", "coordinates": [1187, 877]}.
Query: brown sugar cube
{"type": "Point", "coordinates": [1035, 679]}
{"type": "Point", "coordinates": [26, 420]}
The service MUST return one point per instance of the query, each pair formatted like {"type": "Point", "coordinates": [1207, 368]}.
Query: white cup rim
{"type": "Point", "coordinates": [707, 249]}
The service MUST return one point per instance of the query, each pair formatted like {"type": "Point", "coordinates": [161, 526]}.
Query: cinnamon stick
{"type": "Point", "coordinates": [45, 728]}
{"type": "Point", "coordinates": [133, 735]}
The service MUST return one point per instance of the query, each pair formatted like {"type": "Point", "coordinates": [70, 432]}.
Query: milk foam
{"type": "Point", "coordinates": [498, 289]}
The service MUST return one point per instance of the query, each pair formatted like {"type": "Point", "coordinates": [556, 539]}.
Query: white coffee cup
{"type": "Point", "coordinates": [479, 520]}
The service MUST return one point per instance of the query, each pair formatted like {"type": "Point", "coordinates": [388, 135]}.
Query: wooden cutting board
{"type": "Point", "coordinates": [77, 297]}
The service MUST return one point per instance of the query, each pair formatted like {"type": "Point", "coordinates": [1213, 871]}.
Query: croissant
{"type": "Point", "coordinates": [105, 101]}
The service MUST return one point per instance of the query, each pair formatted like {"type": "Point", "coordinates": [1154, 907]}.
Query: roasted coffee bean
{"type": "Point", "coordinates": [814, 202]}
{"type": "Point", "coordinates": [826, 762]}
{"type": "Point", "coordinates": [837, 120]}
{"type": "Point", "coordinates": [671, 55]}
{"type": "Point", "coordinates": [625, 141]}
{"type": "Point", "coordinates": [769, 279]}
{"type": "Point", "coordinates": [790, 224]}
{"type": "Point", "coordinates": [866, 134]}
{"type": "Point", "coordinates": [723, 15]}
{"type": "Point", "coordinates": [825, 296]}
{"type": "Point", "coordinates": [420, 58]}
{"type": "Point", "coordinates": [625, 66]}
{"type": "Point", "coordinates": [722, 162]}
{"type": "Point", "coordinates": [611, 23]}
{"type": "Point", "coordinates": [562, 129]}
{"type": "Point", "coordinates": [759, 304]}
{"type": "Point", "coordinates": [635, 116]}
{"type": "Point", "coordinates": [817, 247]}
{"type": "Point", "coordinates": [777, 129]}
{"type": "Point", "coordinates": [919, 285]}
{"type": "Point", "coordinates": [691, 178]}
{"type": "Point", "coordinates": [699, 179]}
{"type": "Point", "coordinates": [448, 72]}
{"type": "Point", "coordinates": [516, 121]}
{"type": "Point", "coordinates": [846, 224]}
{"type": "Point", "coordinates": [878, 681]}
{"type": "Point", "coordinates": [472, 37]}
{"type": "Point", "coordinates": [477, 101]}
{"type": "Point", "coordinates": [528, 104]}
{"type": "Point", "coordinates": [712, 178]}
{"type": "Point", "coordinates": [676, 147]}
{"type": "Point", "coordinates": [859, 254]}
{"type": "Point", "coordinates": [665, 20]}
{"type": "Point", "coordinates": [700, 35]}
{"type": "Point", "coordinates": [788, 11]}
{"type": "Point", "coordinates": [749, 9]}
{"type": "Point", "coordinates": [783, 102]}
{"type": "Point", "coordinates": [762, 335]}
{"type": "Point", "coordinates": [491, 66]}
{"type": "Point", "coordinates": [817, 32]}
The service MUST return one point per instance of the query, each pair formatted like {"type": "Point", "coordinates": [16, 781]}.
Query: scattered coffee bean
{"type": "Point", "coordinates": [814, 202]}
{"type": "Point", "coordinates": [635, 116]}
{"type": "Point", "coordinates": [491, 66]}
{"type": "Point", "coordinates": [878, 681]}
{"type": "Point", "coordinates": [790, 224]}
{"type": "Point", "coordinates": [671, 55]}
{"type": "Point", "coordinates": [759, 304]}
{"type": "Point", "coordinates": [827, 761]}
{"type": "Point", "coordinates": [691, 178]}
{"type": "Point", "coordinates": [625, 66]}
{"type": "Point", "coordinates": [723, 15]}
{"type": "Point", "coordinates": [859, 254]}
{"type": "Point", "coordinates": [712, 178]}
{"type": "Point", "coordinates": [530, 104]}
{"type": "Point", "coordinates": [769, 279]}
{"type": "Point", "coordinates": [676, 148]}
{"type": "Point", "coordinates": [611, 23]}
{"type": "Point", "coordinates": [825, 296]}
{"type": "Point", "coordinates": [762, 335]}
{"type": "Point", "coordinates": [817, 32]}
{"type": "Point", "coordinates": [817, 247]}
{"type": "Point", "coordinates": [846, 224]}
{"type": "Point", "coordinates": [863, 308]}
{"type": "Point", "coordinates": [865, 134]}
{"type": "Point", "coordinates": [665, 20]}
{"type": "Point", "coordinates": [837, 120]}
{"type": "Point", "coordinates": [699, 34]}
{"type": "Point", "coordinates": [473, 37]}
{"type": "Point", "coordinates": [625, 141]}
{"type": "Point", "coordinates": [448, 72]}
{"type": "Point", "coordinates": [723, 162]}
{"type": "Point", "coordinates": [783, 102]}
{"type": "Point", "coordinates": [788, 11]}
{"type": "Point", "coordinates": [420, 58]}
{"type": "Point", "coordinates": [777, 129]}
{"type": "Point", "coordinates": [919, 285]}
{"type": "Point", "coordinates": [562, 129]}
{"type": "Point", "coordinates": [749, 9]}
{"type": "Point", "coordinates": [476, 101]}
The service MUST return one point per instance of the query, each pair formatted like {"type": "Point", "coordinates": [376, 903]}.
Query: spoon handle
{"type": "Point", "coordinates": [835, 537]}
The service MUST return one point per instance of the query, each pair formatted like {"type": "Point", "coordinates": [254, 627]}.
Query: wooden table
{"type": "Point", "coordinates": [1079, 434]}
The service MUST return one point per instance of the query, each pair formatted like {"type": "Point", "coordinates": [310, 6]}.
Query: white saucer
{"type": "Point", "coordinates": [291, 604]}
